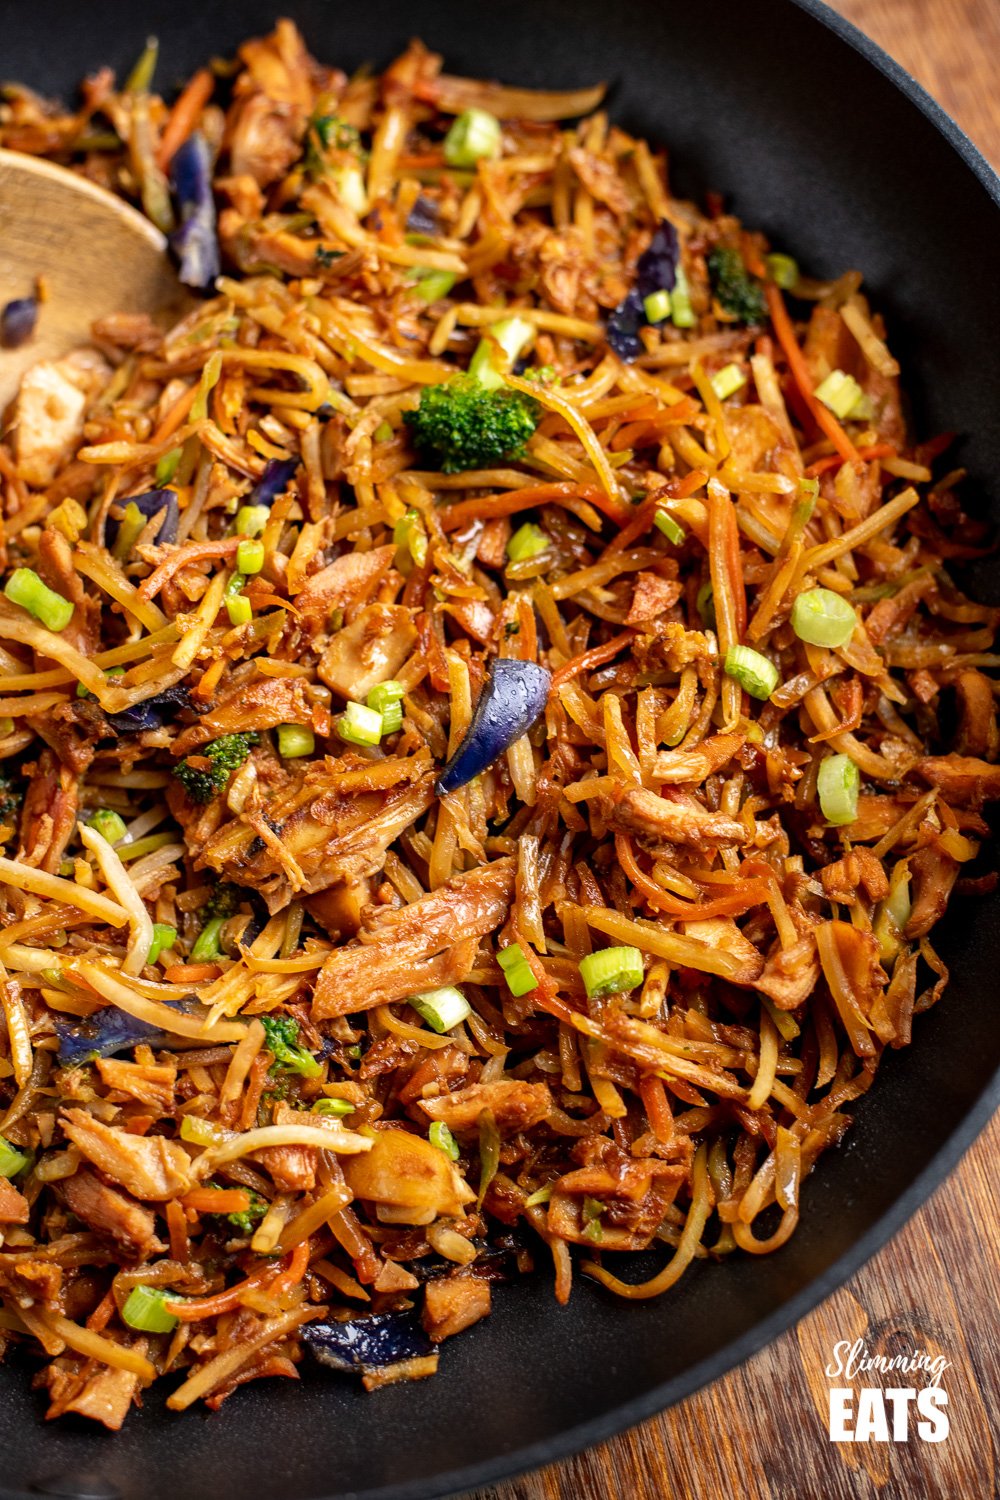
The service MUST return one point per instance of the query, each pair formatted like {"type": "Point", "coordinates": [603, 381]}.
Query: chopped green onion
{"type": "Point", "coordinates": [167, 466]}
{"type": "Point", "coordinates": [410, 535]}
{"type": "Point", "coordinates": [751, 670]}
{"type": "Point", "coordinates": [517, 970]}
{"type": "Point", "coordinates": [783, 270]}
{"type": "Point", "coordinates": [539, 1196]}
{"type": "Point", "coordinates": [705, 605]}
{"type": "Point", "coordinates": [611, 971]}
{"type": "Point", "coordinates": [383, 433]}
{"type": "Point", "coordinates": [295, 740]}
{"type": "Point", "coordinates": [440, 1136]}
{"type": "Point", "coordinates": [108, 824]}
{"type": "Point", "coordinates": [823, 618]}
{"type": "Point", "coordinates": [133, 523]}
{"type": "Point", "coordinates": [336, 1107]}
{"type": "Point", "coordinates": [24, 587]}
{"type": "Point", "coordinates": [442, 1008]}
{"type": "Point", "coordinates": [504, 343]}
{"type": "Point", "coordinates": [82, 692]}
{"type": "Point", "coordinates": [727, 381]}
{"type": "Point", "coordinates": [657, 307]}
{"type": "Point", "coordinates": [239, 609]}
{"type": "Point", "coordinates": [432, 285]}
{"type": "Point", "coordinates": [809, 490]}
{"type": "Point", "coordinates": [838, 783]}
{"type": "Point", "coordinates": [250, 556]}
{"type": "Point", "coordinates": [12, 1161]}
{"type": "Point", "coordinates": [681, 310]}
{"type": "Point", "coordinates": [384, 693]}
{"type": "Point", "coordinates": [474, 135]}
{"type": "Point", "coordinates": [6, 727]}
{"type": "Point", "coordinates": [840, 392]}
{"type": "Point", "coordinates": [234, 586]}
{"type": "Point", "coordinates": [251, 519]}
{"type": "Point", "coordinates": [206, 945]}
{"type": "Point", "coordinates": [164, 938]}
{"type": "Point", "coordinates": [145, 1309]}
{"type": "Point", "coordinates": [199, 1132]}
{"type": "Point", "coordinates": [528, 541]}
{"type": "Point", "coordinates": [359, 725]}
{"type": "Point", "coordinates": [892, 914]}
{"type": "Point", "coordinates": [141, 76]}
{"type": "Point", "coordinates": [591, 1212]}
{"type": "Point", "coordinates": [670, 528]}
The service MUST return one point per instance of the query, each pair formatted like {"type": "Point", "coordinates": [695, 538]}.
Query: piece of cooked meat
{"type": "Point", "coordinates": [13, 1205]}
{"type": "Point", "coordinates": [148, 1165]}
{"type": "Point", "coordinates": [47, 417]}
{"type": "Point", "coordinates": [368, 651]}
{"type": "Point", "coordinates": [454, 1303]}
{"type": "Point", "coordinates": [961, 778]}
{"type": "Point", "coordinates": [330, 822]}
{"type": "Point", "coordinates": [404, 950]}
{"type": "Point", "coordinates": [698, 762]}
{"type": "Point", "coordinates": [677, 819]}
{"type": "Point", "coordinates": [110, 1212]}
{"type": "Point", "coordinates": [515, 1105]}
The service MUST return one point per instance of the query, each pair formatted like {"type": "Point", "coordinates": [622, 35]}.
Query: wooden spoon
{"type": "Point", "coordinates": [97, 256]}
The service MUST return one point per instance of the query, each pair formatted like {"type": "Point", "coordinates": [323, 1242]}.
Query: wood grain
{"type": "Point", "coordinates": [761, 1433]}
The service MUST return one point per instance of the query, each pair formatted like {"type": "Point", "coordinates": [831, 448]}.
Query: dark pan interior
{"type": "Point", "coordinates": [816, 144]}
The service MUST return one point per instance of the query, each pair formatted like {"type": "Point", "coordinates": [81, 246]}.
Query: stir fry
{"type": "Point", "coordinates": [488, 727]}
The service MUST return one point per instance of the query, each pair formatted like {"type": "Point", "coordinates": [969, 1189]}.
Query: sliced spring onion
{"type": "Point", "coordinates": [528, 541]}
{"type": "Point", "coordinates": [130, 529]}
{"type": "Point", "coordinates": [295, 740]}
{"type": "Point", "coordinates": [251, 519]}
{"type": "Point", "coordinates": [681, 311]}
{"type": "Point", "coordinates": [840, 392]}
{"type": "Point", "coordinates": [199, 1132]}
{"type": "Point", "coordinates": [751, 670]}
{"type": "Point", "coordinates": [239, 609]}
{"type": "Point", "coordinates": [442, 1008]}
{"type": "Point", "coordinates": [823, 618]}
{"type": "Point", "coordinates": [12, 1161]}
{"type": "Point", "coordinates": [336, 1107]}
{"type": "Point", "coordinates": [611, 971]}
{"type": "Point", "coordinates": [24, 587]}
{"type": "Point", "coordinates": [837, 785]}
{"type": "Point", "coordinates": [705, 605]}
{"type": "Point", "coordinates": [145, 1310]}
{"type": "Point", "coordinates": [474, 135]}
{"type": "Point", "coordinates": [409, 535]}
{"type": "Point", "coordinates": [164, 938]}
{"type": "Point", "coordinates": [108, 824]}
{"type": "Point", "coordinates": [670, 528]}
{"type": "Point", "coordinates": [250, 556]}
{"type": "Point", "coordinates": [440, 1136]}
{"type": "Point", "coordinates": [504, 343]}
{"type": "Point", "coordinates": [167, 466]}
{"type": "Point", "coordinates": [432, 285]}
{"type": "Point", "coordinates": [727, 381]}
{"type": "Point", "coordinates": [386, 699]}
{"type": "Point", "coordinates": [657, 306]}
{"type": "Point", "coordinates": [539, 1196]}
{"type": "Point", "coordinates": [206, 945]}
{"type": "Point", "coordinates": [359, 725]}
{"type": "Point", "coordinates": [783, 270]}
{"type": "Point", "coordinates": [517, 970]}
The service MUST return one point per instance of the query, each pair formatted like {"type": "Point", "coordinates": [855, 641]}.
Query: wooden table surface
{"type": "Point", "coordinates": [938, 1281]}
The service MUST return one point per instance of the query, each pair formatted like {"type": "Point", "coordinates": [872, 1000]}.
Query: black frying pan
{"type": "Point", "coordinates": [820, 140]}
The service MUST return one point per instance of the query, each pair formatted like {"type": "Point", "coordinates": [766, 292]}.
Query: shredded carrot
{"type": "Point", "coordinates": [654, 1097]}
{"type": "Point", "coordinates": [193, 1309]}
{"type": "Point", "coordinates": [175, 416]}
{"type": "Point", "coordinates": [298, 1265]}
{"type": "Point", "coordinates": [180, 1242]}
{"type": "Point", "coordinates": [191, 973]}
{"type": "Point", "coordinates": [103, 1312]}
{"type": "Point", "coordinates": [749, 893]}
{"type": "Point", "coordinates": [184, 116]}
{"type": "Point", "coordinates": [217, 1200]}
{"type": "Point", "coordinates": [587, 660]}
{"type": "Point", "coordinates": [453, 516]}
{"type": "Point", "coordinates": [834, 460]}
{"type": "Point", "coordinates": [822, 415]}
{"type": "Point", "coordinates": [189, 553]}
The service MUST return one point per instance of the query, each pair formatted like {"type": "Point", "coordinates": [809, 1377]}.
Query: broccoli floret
{"type": "Point", "coordinates": [226, 754]}
{"type": "Point", "coordinates": [282, 1041]}
{"type": "Point", "coordinates": [244, 1222]}
{"type": "Point", "coordinates": [224, 902]}
{"type": "Point", "coordinates": [464, 425]}
{"type": "Point", "coordinates": [735, 289]}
